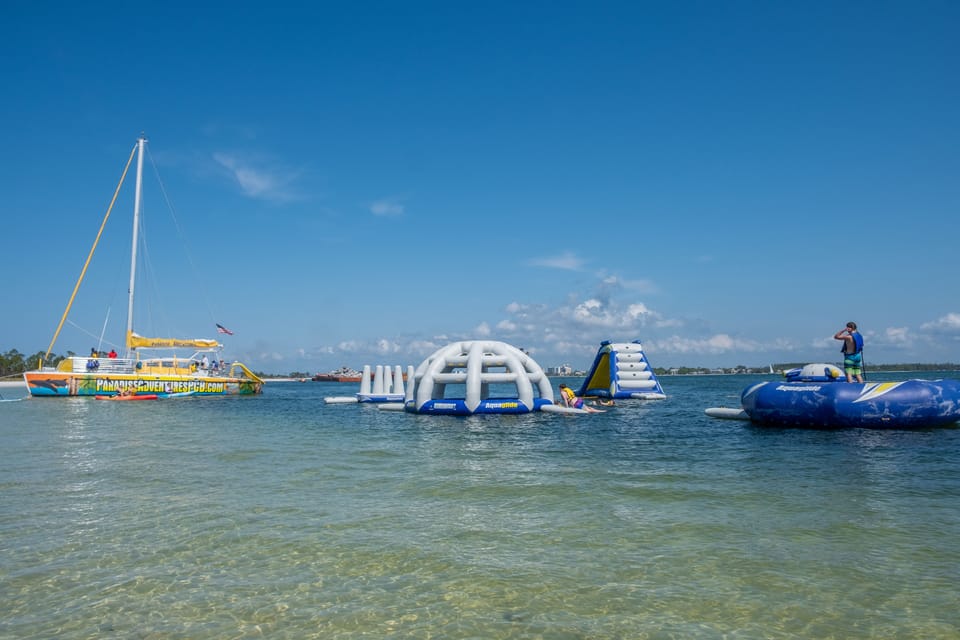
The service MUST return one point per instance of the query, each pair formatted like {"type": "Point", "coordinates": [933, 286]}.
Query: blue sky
{"type": "Point", "coordinates": [362, 183]}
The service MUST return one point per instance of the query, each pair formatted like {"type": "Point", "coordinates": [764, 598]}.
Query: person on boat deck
{"type": "Point", "coordinates": [112, 354]}
{"type": "Point", "coordinates": [93, 363]}
{"type": "Point", "coordinates": [570, 399]}
{"type": "Point", "coordinates": [205, 362]}
{"type": "Point", "coordinates": [852, 351]}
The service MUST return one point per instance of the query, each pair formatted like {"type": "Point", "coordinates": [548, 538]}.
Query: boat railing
{"type": "Point", "coordinates": [158, 366]}
{"type": "Point", "coordinates": [103, 365]}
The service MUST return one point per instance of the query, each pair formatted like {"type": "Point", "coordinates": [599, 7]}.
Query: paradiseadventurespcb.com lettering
{"type": "Point", "coordinates": [160, 386]}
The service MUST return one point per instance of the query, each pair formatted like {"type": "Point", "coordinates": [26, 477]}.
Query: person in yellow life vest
{"type": "Point", "coordinates": [569, 399]}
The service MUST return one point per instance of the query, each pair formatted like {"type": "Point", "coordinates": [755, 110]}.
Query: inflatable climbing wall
{"type": "Point", "coordinates": [621, 370]}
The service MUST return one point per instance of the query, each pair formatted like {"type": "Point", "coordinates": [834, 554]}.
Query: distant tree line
{"type": "Point", "coordinates": [13, 363]}
{"type": "Point", "coordinates": [292, 374]}
{"type": "Point", "coordinates": [780, 368]}
{"type": "Point", "coordinates": [913, 366]}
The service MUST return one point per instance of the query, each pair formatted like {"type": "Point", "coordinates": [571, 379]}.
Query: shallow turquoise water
{"type": "Point", "coordinates": [279, 516]}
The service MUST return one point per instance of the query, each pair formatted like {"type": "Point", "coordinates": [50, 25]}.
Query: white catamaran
{"type": "Point", "coordinates": [141, 371]}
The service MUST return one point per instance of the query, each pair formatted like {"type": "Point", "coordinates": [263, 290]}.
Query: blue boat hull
{"type": "Point", "coordinates": [909, 404]}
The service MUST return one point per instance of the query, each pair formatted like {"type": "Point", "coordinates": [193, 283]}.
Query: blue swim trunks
{"type": "Point", "coordinates": [853, 364]}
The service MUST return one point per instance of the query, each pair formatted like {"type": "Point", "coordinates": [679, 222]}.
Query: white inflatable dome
{"type": "Point", "coordinates": [475, 365]}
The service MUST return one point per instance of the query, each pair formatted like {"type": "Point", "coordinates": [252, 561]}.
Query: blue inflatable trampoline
{"type": "Point", "coordinates": [819, 396]}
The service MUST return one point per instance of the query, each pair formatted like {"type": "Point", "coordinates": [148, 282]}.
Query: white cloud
{"type": "Point", "coordinates": [257, 182]}
{"type": "Point", "coordinates": [387, 207]}
{"type": "Point", "coordinates": [898, 336]}
{"type": "Point", "coordinates": [425, 347]}
{"type": "Point", "coordinates": [567, 260]}
{"type": "Point", "coordinates": [720, 343]}
{"type": "Point", "coordinates": [372, 351]}
{"type": "Point", "coordinates": [348, 346]}
{"type": "Point", "coordinates": [638, 310]}
{"type": "Point", "coordinates": [386, 347]}
{"type": "Point", "coordinates": [639, 285]}
{"type": "Point", "coordinates": [589, 311]}
{"type": "Point", "coordinates": [667, 323]}
{"type": "Point", "coordinates": [575, 350]}
{"type": "Point", "coordinates": [948, 324]}
{"type": "Point", "coordinates": [595, 312]}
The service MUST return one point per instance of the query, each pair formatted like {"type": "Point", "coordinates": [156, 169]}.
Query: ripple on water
{"type": "Point", "coordinates": [277, 517]}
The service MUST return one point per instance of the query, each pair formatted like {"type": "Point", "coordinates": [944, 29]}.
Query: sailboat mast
{"type": "Point", "coordinates": [141, 142]}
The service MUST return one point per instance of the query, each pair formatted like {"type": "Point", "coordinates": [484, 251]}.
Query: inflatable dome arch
{"type": "Point", "coordinates": [476, 365]}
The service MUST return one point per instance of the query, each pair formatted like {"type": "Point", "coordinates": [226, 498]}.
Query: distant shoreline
{"type": "Point", "coordinates": [7, 384]}
{"type": "Point", "coordinates": [22, 383]}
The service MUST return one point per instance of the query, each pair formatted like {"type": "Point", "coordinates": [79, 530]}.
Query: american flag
{"type": "Point", "coordinates": [223, 329]}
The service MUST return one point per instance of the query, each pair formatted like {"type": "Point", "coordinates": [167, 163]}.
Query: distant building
{"type": "Point", "coordinates": [562, 370]}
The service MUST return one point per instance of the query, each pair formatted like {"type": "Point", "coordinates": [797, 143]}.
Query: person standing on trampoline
{"type": "Point", "coordinates": [852, 351]}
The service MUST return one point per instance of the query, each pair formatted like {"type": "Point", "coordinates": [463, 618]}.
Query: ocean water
{"type": "Point", "coordinates": [281, 517]}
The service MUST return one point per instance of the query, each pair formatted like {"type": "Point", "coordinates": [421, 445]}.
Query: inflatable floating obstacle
{"type": "Point", "coordinates": [727, 413]}
{"type": "Point", "coordinates": [377, 384]}
{"type": "Point", "coordinates": [477, 377]}
{"type": "Point", "coordinates": [463, 378]}
{"type": "Point", "coordinates": [621, 370]}
{"type": "Point", "coordinates": [818, 395]}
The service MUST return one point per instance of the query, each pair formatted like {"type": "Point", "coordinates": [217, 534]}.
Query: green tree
{"type": "Point", "coordinates": [11, 363]}
{"type": "Point", "coordinates": [14, 363]}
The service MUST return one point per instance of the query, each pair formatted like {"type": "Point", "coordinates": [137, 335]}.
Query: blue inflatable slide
{"type": "Point", "coordinates": [621, 370]}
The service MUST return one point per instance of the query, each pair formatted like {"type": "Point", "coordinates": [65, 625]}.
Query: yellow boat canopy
{"type": "Point", "coordinates": [134, 341]}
